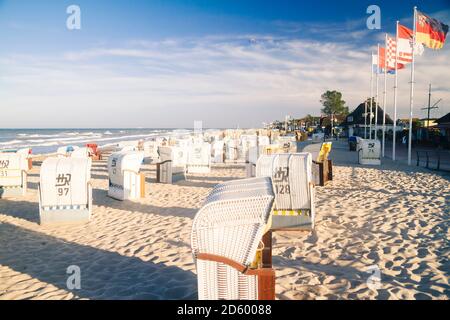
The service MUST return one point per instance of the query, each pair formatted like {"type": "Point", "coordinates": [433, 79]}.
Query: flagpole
{"type": "Point", "coordinates": [371, 97]}
{"type": "Point", "coordinates": [384, 94]}
{"type": "Point", "coordinates": [365, 119]}
{"type": "Point", "coordinates": [395, 93]}
{"type": "Point", "coordinates": [411, 99]}
{"type": "Point", "coordinates": [376, 95]}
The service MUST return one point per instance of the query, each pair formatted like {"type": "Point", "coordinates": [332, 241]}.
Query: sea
{"type": "Point", "coordinates": [44, 141]}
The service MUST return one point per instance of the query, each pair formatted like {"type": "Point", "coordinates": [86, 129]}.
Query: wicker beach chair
{"type": "Point", "coordinates": [199, 158]}
{"type": "Point", "coordinates": [13, 174]}
{"type": "Point", "coordinates": [217, 151]}
{"type": "Point", "coordinates": [293, 187]}
{"type": "Point", "coordinates": [125, 181]}
{"type": "Point", "coordinates": [172, 165]}
{"type": "Point", "coordinates": [80, 153]}
{"type": "Point", "coordinates": [65, 192]}
{"type": "Point", "coordinates": [226, 236]}
{"type": "Point", "coordinates": [369, 152]}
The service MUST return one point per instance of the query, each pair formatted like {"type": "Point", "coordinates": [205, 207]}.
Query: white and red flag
{"type": "Point", "coordinates": [405, 45]}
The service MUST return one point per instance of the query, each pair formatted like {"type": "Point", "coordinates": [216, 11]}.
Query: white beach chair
{"type": "Point", "coordinates": [172, 165]}
{"type": "Point", "coordinates": [217, 151]}
{"type": "Point", "coordinates": [65, 192]}
{"type": "Point", "coordinates": [80, 153]}
{"type": "Point", "coordinates": [13, 174]}
{"type": "Point", "coordinates": [231, 149]}
{"type": "Point", "coordinates": [199, 158]}
{"type": "Point", "coordinates": [226, 234]}
{"type": "Point", "coordinates": [318, 137]}
{"type": "Point", "coordinates": [294, 191]}
{"type": "Point", "coordinates": [263, 140]}
{"type": "Point", "coordinates": [369, 152]}
{"type": "Point", "coordinates": [246, 142]}
{"type": "Point", "coordinates": [125, 181]}
{"type": "Point", "coordinates": [26, 152]}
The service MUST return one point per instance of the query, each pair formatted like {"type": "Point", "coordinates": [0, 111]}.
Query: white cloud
{"type": "Point", "coordinates": [222, 80]}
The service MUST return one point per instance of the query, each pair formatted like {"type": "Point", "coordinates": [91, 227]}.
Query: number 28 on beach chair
{"type": "Point", "coordinates": [226, 241]}
{"type": "Point", "coordinates": [65, 192]}
{"type": "Point", "coordinates": [13, 174]}
{"type": "Point", "coordinates": [125, 181]}
{"type": "Point", "coordinates": [293, 187]}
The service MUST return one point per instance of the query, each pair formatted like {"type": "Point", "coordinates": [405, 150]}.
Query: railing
{"type": "Point", "coordinates": [427, 158]}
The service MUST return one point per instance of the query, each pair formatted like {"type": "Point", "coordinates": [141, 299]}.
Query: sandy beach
{"type": "Point", "coordinates": [392, 217]}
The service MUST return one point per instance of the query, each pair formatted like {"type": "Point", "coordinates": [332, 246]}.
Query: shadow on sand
{"type": "Point", "coordinates": [104, 274]}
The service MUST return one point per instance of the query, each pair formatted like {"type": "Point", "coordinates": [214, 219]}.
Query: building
{"type": "Point", "coordinates": [357, 122]}
{"type": "Point", "coordinates": [443, 124]}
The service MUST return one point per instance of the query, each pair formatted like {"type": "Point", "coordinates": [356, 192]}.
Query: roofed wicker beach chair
{"type": "Point", "coordinates": [80, 153]}
{"type": "Point", "coordinates": [27, 153]}
{"type": "Point", "coordinates": [322, 168]}
{"type": "Point", "coordinates": [172, 165]}
{"type": "Point", "coordinates": [125, 181]}
{"type": "Point", "coordinates": [226, 239]}
{"type": "Point", "coordinates": [13, 174]}
{"type": "Point", "coordinates": [369, 152]}
{"type": "Point", "coordinates": [199, 158]}
{"type": "Point", "coordinates": [217, 151]}
{"type": "Point", "coordinates": [293, 187]}
{"type": "Point", "coordinates": [65, 192]}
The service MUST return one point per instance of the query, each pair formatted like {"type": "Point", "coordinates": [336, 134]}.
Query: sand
{"type": "Point", "coordinates": [394, 218]}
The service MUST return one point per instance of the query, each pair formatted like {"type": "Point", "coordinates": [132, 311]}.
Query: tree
{"type": "Point", "coordinates": [333, 104]}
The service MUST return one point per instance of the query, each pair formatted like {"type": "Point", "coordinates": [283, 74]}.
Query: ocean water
{"type": "Point", "coordinates": [48, 140]}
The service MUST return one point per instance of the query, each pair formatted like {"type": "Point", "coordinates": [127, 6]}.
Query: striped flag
{"type": "Point", "coordinates": [391, 48]}
{"type": "Point", "coordinates": [430, 32]}
{"type": "Point", "coordinates": [405, 45]}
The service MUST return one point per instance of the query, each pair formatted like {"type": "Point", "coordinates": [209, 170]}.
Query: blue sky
{"type": "Point", "coordinates": [168, 63]}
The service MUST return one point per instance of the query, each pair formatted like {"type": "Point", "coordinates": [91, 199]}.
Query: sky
{"type": "Point", "coordinates": [166, 64]}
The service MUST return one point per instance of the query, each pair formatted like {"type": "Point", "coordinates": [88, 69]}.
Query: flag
{"type": "Point", "coordinates": [430, 32]}
{"type": "Point", "coordinates": [405, 45]}
{"type": "Point", "coordinates": [390, 56]}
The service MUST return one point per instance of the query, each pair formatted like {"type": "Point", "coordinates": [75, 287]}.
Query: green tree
{"type": "Point", "coordinates": [333, 104]}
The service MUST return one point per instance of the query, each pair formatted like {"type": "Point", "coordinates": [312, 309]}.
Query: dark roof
{"type": "Point", "coordinates": [444, 119]}
{"type": "Point", "coordinates": [358, 116]}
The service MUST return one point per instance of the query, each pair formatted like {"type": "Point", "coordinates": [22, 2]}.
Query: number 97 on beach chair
{"type": "Point", "coordinates": [65, 192]}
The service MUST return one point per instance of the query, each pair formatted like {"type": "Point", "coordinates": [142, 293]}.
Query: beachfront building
{"type": "Point", "coordinates": [356, 122]}
{"type": "Point", "coordinates": [443, 124]}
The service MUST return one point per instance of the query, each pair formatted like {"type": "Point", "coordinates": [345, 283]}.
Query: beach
{"type": "Point", "coordinates": [393, 218]}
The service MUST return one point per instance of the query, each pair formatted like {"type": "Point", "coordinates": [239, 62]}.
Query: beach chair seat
{"type": "Point", "coordinates": [369, 152]}
{"type": "Point", "coordinates": [13, 174]}
{"type": "Point", "coordinates": [172, 165]}
{"type": "Point", "coordinates": [125, 181]}
{"type": "Point", "coordinates": [226, 238]}
{"type": "Point", "coordinates": [65, 191]}
{"type": "Point", "coordinates": [199, 158]}
{"type": "Point", "coordinates": [293, 188]}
